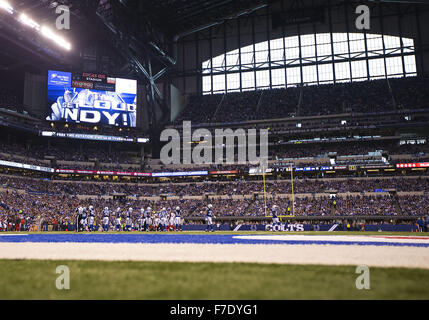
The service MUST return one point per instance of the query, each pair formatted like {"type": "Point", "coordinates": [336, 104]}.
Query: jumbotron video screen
{"type": "Point", "coordinates": [91, 98]}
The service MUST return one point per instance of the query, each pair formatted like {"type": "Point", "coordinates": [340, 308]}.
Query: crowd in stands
{"type": "Point", "coordinates": [346, 148]}
{"type": "Point", "coordinates": [358, 97]}
{"type": "Point", "coordinates": [414, 205]}
{"type": "Point", "coordinates": [8, 98]}
{"type": "Point", "coordinates": [68, 188]}
{"type": "Point", "coordinates": [302, 186]}
{"type": "Point", "coordinates": [117, 160]}
{"type": "Point", "coordinates": [366, 205]}
{"type": "Point", "coordinates": [59, 211]}
{"type": "Point", "coordinates": [70, 152]}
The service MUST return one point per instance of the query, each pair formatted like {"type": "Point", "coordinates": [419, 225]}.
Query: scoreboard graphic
{"type": "Point", "coordinates": [92, 98]}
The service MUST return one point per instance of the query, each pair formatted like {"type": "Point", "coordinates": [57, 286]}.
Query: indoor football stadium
{"type": "Point", "coordinates": [214, 150]}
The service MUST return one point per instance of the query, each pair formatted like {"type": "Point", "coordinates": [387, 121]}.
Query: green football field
{"type": "Point", "coordinates": [34, 279]}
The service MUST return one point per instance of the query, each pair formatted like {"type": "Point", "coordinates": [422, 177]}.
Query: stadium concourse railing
{"type": "Point", "coordinates": [94, 165]}
{"type": "Point", "coordinates": [78, 164]}
{"type": "Point", "coordinates": [369, 115]}
{"type": "Point", "coordinates": [155, 186]}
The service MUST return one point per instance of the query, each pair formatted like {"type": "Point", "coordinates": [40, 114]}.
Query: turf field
{"type": "Point", "coordinates": [156, 279]}
{"type": "Point", "coordinates": [32, 279]}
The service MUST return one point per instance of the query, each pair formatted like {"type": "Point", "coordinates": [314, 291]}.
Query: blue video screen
{"type": "Point", "coordinates": [82, 101]}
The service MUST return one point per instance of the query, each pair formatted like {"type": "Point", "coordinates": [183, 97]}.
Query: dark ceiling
{"type": "Point", "coordinates": [178, 16]}
{"type": "Point", "coordinates": [132, 17]}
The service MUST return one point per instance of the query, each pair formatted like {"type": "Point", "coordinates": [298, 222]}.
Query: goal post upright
{"type": "Point", "coordinates": [293, 197]}
{"type": "Point", "coordinates": [265, 191]}
{"type": "Point", "coordinates": [265, 194]}
{"type": "Point", "coordinates": [293, 194]}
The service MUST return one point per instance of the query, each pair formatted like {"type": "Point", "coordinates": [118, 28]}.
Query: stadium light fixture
{"type": "Point", "coordinates": [29, 22]}
{"type": "Point", "coordinates": [48, 33]}
{"type": "Point", "coordinates": [45, 31]}
{"type": "Point", "coordinates": [6, 6]}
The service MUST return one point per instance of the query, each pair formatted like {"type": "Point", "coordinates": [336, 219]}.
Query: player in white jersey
{"type": "Point", "coordinates": [149, 223]}
{"type": "Point", "coordinates": [177, 220]}
{"type": "Point", "coordinates": [162, 219]}
{"type": "Point", "coordinates": [171, 221]}
{"type": "Point", "coordinates": [3, 224]}
{"type": "Point", "coordinates": [156, 221]}
{"type": "Point", "coordinates": [106, 222]}
{"type": "Point", "coordinates": [91, 218]}
{"type": "Point", "coordinates": [129, 220]}
{"type": "Point", "coordinates": [91, 221]}
{"type": "Point", "coordinates": [167, 222]}
{"type": "Point", "coordinates": [79, 219]}
{"type": "Point", "coordinates": [141, 220]}
{"type": "Point", "coordinates": [84, 220]}
{"type": "Point", "coordinates": [148, 219]}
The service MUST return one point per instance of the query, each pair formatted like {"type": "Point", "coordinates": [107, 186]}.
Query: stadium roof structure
{"type": "Point", "coordinates": [142, 20]}
{"type": "Point", "coordinates": [177, 16]}
{"type": "Point", "coordinates": [183, 16]}
{"type": "Point", "coordinates": [127, 38]}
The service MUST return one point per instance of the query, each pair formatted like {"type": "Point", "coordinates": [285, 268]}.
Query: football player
{"type": "Point", "coordinates": [118, 219]}
{"type": "Point", "coordinates": [106, 216]}
{"type": "Point", "coordinates": [209, 218]}
{"type": "Point", "coordinates": [276, 220]}
{"type": "Point", "coordinates": [177, 220]}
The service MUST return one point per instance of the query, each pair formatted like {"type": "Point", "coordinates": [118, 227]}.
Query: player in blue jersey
{"type": "Point", "coordinates": [274, 212]}
{"type": "Point", "coordinates": [141, 220]}
{"type": "Point", "coordinates": [147, 218]}
{"type": "Point", "coordinates": [91, 218]}
{"type": "Point", "coordinates": [209, 218]}
{"type": "Point", "coordinates": [118, 226]}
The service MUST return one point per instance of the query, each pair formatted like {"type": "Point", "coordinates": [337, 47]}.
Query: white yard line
{"type": "Point", "coordinates": [382, 256]}
{"type": "Point", "coordinates": [363, 238]}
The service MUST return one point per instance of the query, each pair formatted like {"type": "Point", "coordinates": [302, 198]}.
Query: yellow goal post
{"type": "Point", "coordinates": [265, 194]}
